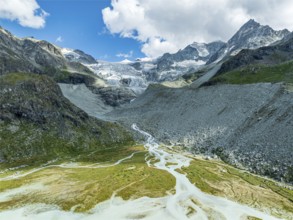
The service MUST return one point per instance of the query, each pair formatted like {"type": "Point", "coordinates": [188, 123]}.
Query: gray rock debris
{"type": "Point", "coordinates": [249, 125]}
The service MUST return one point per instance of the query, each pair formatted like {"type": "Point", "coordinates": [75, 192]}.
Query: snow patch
{"type": "Point", "coordinates": [189, 63]}
{"type": "Point", "coordinates": [70, 52]}
{"type": "Point", "coordinates": [126, 61]}
{"type": "Point", "coordinates": [201, 48]}
{"type": "Point", "coordinates": [145, 59]}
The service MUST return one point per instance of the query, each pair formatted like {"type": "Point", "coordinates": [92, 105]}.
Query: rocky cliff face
{"type": "Point", "coordinates": [27, 55]}
{"type": "Point", "coordinates": [37, 122]}
{"type": "Point", "coordinates": [254, 35]}
{"type": "Point", "coordinates": [251, 35]}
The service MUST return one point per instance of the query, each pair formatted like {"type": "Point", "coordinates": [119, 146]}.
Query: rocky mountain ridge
{"type": "Point", "coordinates": [197, 56]}
{"type": "Point", "coordinates": [30, 55]}
{"type": "Point", "coordinates": [42, 57]}
{"type": "Point", "coordinates": [251, 35]}
{"type": "Point", "coordinates": [189, 59]}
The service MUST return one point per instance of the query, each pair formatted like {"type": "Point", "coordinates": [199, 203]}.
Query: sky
{"type": "Point", "coordinates": [115, 30]}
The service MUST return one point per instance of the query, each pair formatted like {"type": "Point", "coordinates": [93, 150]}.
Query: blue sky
{"type": "Point", "coordinates": [117, 29]}
{"type": "Point", "coordinates": [80, 25]}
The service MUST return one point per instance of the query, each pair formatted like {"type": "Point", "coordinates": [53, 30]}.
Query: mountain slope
{"type": "Point", "coordinates": [265, 64]}
{"type": "Point", "coordinates": [37, 122]}
{"type": "Point", "coordinates": [246, 125]}
{"type": "Point", "coordinates": [34, 56]}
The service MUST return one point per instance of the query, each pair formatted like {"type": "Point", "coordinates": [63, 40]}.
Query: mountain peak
{"type": "Point", "coordinates": [253, 35]}
{"type": "Point", "coordinates": [250, 25]}
{"type": "Point", "coordinates": [251, 22]}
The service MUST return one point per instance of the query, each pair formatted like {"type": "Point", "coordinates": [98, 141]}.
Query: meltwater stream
{"type": "Point", "coordinates": [188, 196]}
{"type": "Point", "coordinates": [188, 202]}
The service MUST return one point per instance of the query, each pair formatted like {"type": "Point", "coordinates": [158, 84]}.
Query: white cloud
{"type": "Point", "coordinates": [125, 55]}
{"type": "Point", "coordinates": [168, 25]}
{"type": "Point", "coordinates": [59, 39]}
{"type": "Point", "coordinates": [26, 12]}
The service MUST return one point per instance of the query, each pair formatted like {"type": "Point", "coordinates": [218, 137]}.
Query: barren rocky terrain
{"type": "Point", "coordinates": [242, 124]}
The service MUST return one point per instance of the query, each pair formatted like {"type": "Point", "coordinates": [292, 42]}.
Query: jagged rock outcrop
{"type": "Point", "coordinates": [251, 35]}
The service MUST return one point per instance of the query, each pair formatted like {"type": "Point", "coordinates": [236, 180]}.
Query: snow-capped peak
{"type": "Point", "coordinates": [201, 49]}
{"type": "Point", "coordinates": [126, 61]}
{"type": "Point", "coordinates": [77, 56]}
{"type": "Point", "coordinates": [253, 35]}
{"type": "Point", "coordinates": [67, 52]}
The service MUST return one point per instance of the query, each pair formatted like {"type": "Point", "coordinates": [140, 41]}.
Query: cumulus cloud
{"type": "Point", "coordinates": [168, 25]}
{"type": "Point", "coordinates": [125, 55]}
{"type": "Point", "coordinates": [26, 12]}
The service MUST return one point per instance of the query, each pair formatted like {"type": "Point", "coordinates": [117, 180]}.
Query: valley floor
{"type": "Point", "coordinates": [150, 182]}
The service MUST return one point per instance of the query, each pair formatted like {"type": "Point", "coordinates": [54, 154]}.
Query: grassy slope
{"type": "Point", "coordinates": [257, 73]}
{"type": "Point", "coordinates": [38, 124]}
{"type": "Point", "coordinates": [217, 178]}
